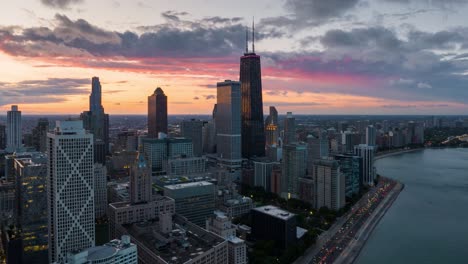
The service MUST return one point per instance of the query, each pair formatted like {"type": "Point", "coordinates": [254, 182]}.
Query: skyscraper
{"type": "Point", "coordinates": [97, 122]}
{"type": "Point", "coordinates": [371, 135]}
{"type": "Point", "coordinates": [193, 129]}
{"type": "Point", "coordinates": [330, 184]}
{"type": "Point", "coordinates": [2, 136]}
{"type": "Point", "coordinates": [140, 180]}
{"type": "Point", "coordinates": [14, 129]}
{"type": "Point", "coordinates": [271, 127]}
{"type": "Point", "coordinates": [294, 167]}
{"type": "Point", "coordinates": [228, 123]}
{"type": "Point", "coordinates": [253, 133]}
{"type": "Point", "coordinates": [157, 113]}
{"type": "Point", "coordinates": [368, 170]}
{"type": "Point", "coordinates": [39, 135]}
{"type": "Point", "coordinates": [70, 190]}
{"type": "Point", "coordinates": [289, 129]}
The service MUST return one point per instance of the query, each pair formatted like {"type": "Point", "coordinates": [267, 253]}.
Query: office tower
{"type": "Point", "coordinates": [263, 168]}
{"type": "Point", "coordinates": [330, 184]}
{"type": "Point", "coordinates": [193, 130]}
{"type": "Point", "coordinates": [317, 147]}
{"type": "Point", "coordinates": [2, 137]}
{"type": "Point", "coordinates": [39, 135]}
{"type": "Point", "coordinates": [351, 168]}
{"type": "Point", "coordinates": [253, 134]}
{"type": "Point", "coordinates": [271, 127]}
{"type": "Point", "coordinates": [371, 135]}
{"type": "Point", "coordinates": [194, 200]}
{"type": "Point", "coordinates": [348, 141]}
{"type": "Point", "coordinates": [140, 181]}
{"type": "Point", "coordinates": [159, 151]}
{"type": "Point", "coordinates": [289, 129]}
{"type": "Point", "coordinates": [367, 154]}
{"type": "Point", "coordinates": [195, 166]}
{"type": "Point", "coordinates": [96, 121]}
{"type": "Point", "coordinates": [157, 113]}
{"type": "Point", "coordinates": [70, 189]}
{"type": "Point", "coordinates": [220, 224]}
{"type": "Point", "coordinates": [293, 168]}
{"type": "Point", "coordinates": [272, 223]}
{"type": "Point", "coordinates": [228, 123]}
{"type": "Point", "coordinates": [31, 205]}
{"type": "Point", "coordinates": [116, 252]}
{"type": "Point", "coordinates": [209, 137]}
{"type": "Point", "coordinates": [100, 190]}
{"type": "Point", "coordinates": [307, 190]}
{"type": "Point", "coordinates": [143, 205]}
{"type": "Point", "coordinates": [7, 202]}
{"type": "Point", "coordinates": [14, 130]}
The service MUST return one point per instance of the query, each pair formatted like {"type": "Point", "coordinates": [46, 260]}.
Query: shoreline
{"type": "Point", "coordinates": [399, 152]}
{"type": "Point", "coordinates": [354, 249]}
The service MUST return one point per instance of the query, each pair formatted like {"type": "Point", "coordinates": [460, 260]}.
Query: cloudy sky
{"type": "Point", "coordinates": [318, 57]}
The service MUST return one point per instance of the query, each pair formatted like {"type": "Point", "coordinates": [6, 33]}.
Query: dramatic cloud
{"type": "Point", "coordinates": [62, 4]}
{"type": "Point", "coordinates": [42, 91]}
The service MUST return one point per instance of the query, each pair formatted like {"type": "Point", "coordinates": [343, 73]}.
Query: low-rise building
{"type": "Point", "coordinates": [115, 252]}
{"type": "Point", "coordinates": [272, 223]}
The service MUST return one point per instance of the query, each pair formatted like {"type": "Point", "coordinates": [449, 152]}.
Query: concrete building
{"type": "Point", "coordinates": [194, 200]}
{"type": "Point", "coordinates": [237, 206]}
{"type": "Point", "coordinates": [169, 240]}
{"type": "Point", "coordinates": [193, 129]}
{"type": "Point", "coordinates": [368, 170]}
{"type": "Point", "coordinates": [329, 185]}
{"type": "Point", "coordinates": [272, 223]}
{"type": "Point", "coordinates": [14, 131]}
{"type": "Point", "coordinates": [70, 190]}
{"type": "Point", "coordinates": [100, 190]}
{"type": "Point", "coordinates": [293, 168]}
{"type": "Point", "coordinates": [114, 252]}
{"type": "Point", "coordinates": [157, 113]}
{"type": "Point", "coordinates": [307, 190]}
{"type": "Point", "coordinates": [228, 124]}
{"type": "Point", "coordinates": [220, 224]}
{"type": "Point", "coordinates": [186, 166]}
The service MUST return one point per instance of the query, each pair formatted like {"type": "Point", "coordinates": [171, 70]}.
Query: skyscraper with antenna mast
{"type": "Point", "coordinates": [253, 134]}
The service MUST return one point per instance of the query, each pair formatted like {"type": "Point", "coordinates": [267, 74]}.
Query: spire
{"type": "Point", "coordinates": [253, 34]}
{"type": "Point", "coordinates": [246, 39]}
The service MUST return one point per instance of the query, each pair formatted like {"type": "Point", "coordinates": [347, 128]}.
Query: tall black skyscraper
{"type": "Point", "coordinates": [157, 113]}
{"type": "Point", "coordinates": [253, 134]}
{"type": "Point", "coordinates": [97, 122]}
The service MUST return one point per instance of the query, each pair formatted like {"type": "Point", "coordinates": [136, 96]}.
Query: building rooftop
{"type": "Point", "coordinates": [128, 204]}
{"type": "Point", "coordinates": [187, 185]}
{"type": "Point", "coordinates": [183, 243]}
{"type": "Point", "coordinates": [275, 212]}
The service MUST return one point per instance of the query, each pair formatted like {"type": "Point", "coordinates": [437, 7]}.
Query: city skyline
{"type": "Point", "coordinates": [349, 57]}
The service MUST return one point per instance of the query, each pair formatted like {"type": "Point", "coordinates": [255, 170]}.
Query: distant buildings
{"type": "Point", "coordinates": [289, 129]}
{"type": "Point", "coordinates": [100, 190]}
{"type": "Point", "coordinates": [367, 154]}
{"type": "Point", "coordinates": [70, 190]}
{"type": "Point", "coordinates": [14, 132]}
{"type": "Point", "coordinates": [114, 252]}
{"type": "Point", "coordinates": [159, 151]}
{"type": "Point", "coordinates": [329, 185]}
{"type": "Point", "coordinates": [39, 135]}
{"type": "Point", "coordinates": [195, 200]}
{"type": "Point", "coordinates": [272, 223]}
{"type": "Point", "coordinates": [157, 113]}
{"type": "Point", "coordinates": [263, 169]}
{"type": "Point", "coordinates": [371, 134]}
{"type": "Point", "coordinates": [3, 140]}
{"type": "Point", "coordinates": [271, 127]}
{"type": "Point", "coordinates": [253, 133]}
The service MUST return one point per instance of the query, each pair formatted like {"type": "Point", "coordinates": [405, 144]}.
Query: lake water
{"type": "Point", "coordinates": [428, 223]}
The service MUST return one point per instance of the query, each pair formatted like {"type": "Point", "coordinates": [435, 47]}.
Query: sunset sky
{"type": "Point", "coordinates": [318, 57]}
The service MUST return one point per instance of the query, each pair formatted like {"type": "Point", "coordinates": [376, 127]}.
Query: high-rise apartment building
{"type": "Point", "coordinates": [70, 190]}
{"type": "Point", "coordinates": [2, 137]}
{"type": "Point", "coordinates": [368, 170]}
{"type": "Point", "coordinates": [228, 123]}
{"type": "Point", "coordinates": [289, 129]}
{"type": "Point", "coordinates": [157, 113]}
{"type": "Point", "coordinates": [39, 135]}
{"type": "Point", "coordinates": [100, 190]}
{"type": "Point", "coordinates": [329, 185]}
{"type": "Point", "coordinates": [193, 129]}
{"type": "Point", "coordinates": [271, 127]}
{"type": "Point", "coordinates": [351, 168]}
{"type": "Point", "coordinates": [293, 168]}
{"type": "Point", "coordinates": [253, 133]}
{"type": "Point", "coordinates": [96, 121]}
{"type": "Point", "coordinates": [14, 132]}
{"type": "Point", "coordinates": [371, 135]}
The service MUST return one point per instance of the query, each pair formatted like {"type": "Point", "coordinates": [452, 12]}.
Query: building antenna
{"type": "Point", "coordinates": [246, 39]}
{"type": "Point", "coordinates": [253, 34]}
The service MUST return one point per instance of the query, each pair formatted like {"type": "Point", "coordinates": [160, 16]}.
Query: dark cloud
{"type": "Point", "coordinates": [436, 3]}
{"type": "Point", "coordinates": [196, 98]}
{"type": "Point", "coordinates": [209, 97]}
{"type": "Point", "coordinates": [61, 4]}
{"type": "Point", "coordinates": [42, 91]}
